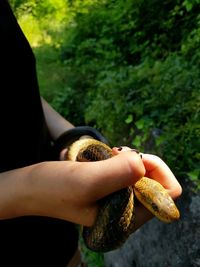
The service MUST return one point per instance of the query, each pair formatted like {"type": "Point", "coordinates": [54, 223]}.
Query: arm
{"type": "Point", "coordinates": [63, 132]}
{"type": "Point", "coordinates": [69, 190]}
{"type": "Point", "coordinates": [55, 122]}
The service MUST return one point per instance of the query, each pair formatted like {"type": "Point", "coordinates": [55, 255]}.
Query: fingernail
{"type": "Point", "coordinates": [135, 150]}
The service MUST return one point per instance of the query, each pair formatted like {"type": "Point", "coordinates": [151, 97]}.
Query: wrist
{"type": "Point", "coordinates": [73, 134]}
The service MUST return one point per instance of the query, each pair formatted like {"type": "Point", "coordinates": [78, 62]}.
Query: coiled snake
{"type": "Point", "coordinates": [116, 216]}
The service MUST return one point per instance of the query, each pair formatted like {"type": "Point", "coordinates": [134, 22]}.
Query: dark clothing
{"type": "Point", "coordinates": [24, 140]}
{"type": "Point", "coordinates": [23, 135]}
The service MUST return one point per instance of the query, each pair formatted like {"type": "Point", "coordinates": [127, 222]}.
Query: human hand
{"type": "Point", "coordinates": [157, 169]}
{"type": "Point", "coordinates": [71, 190]}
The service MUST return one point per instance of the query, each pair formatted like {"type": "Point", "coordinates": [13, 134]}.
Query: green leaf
{"type": "Point", "coordinates": [188, 5]}
{"type": "Point", "coordinates": [194, 175]}
{"type": "Point", "coordinates": [129, 119]}
{"type": "Point", "coordinates": [137, 141]}
{"type": "Point", "coordinates": [140, 124]}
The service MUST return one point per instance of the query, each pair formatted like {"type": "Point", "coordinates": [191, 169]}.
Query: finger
{"type": "Point", "coordinates": [108, 176]}
{"type": "Point", "coordinates": [118, 150]}
{"type": "Point", "coordinates": [157, 169]}
{"type": "Point", "coordinates": [63, 154]}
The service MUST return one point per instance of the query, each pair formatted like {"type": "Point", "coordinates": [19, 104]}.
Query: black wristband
{"type": "Point", "coordinates": [68, 137]}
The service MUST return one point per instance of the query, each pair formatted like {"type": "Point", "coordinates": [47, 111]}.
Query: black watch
{"type": "Point", "coordinates": [73, 134]}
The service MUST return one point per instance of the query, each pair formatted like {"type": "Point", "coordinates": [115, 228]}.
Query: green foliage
{"type": "Point", "coordinates": [135, 66]}
{"type": "Point", "coordinates": [51, 73]}
{"type": "Point", "coordinates": [93, 259]}
{"type": "Point", "coordinates": [42, 20]}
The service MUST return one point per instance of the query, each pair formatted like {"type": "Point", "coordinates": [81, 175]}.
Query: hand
{"type": "Point", "coordinates": [70, 190]}
{"type": "Point", "coordinates": [157, 169]}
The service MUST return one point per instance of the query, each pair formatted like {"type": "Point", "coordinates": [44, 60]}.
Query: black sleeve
{"type": "Point", "coordinates": [23, 130]}
{"type": "Point", "coordinates": [24, 140]}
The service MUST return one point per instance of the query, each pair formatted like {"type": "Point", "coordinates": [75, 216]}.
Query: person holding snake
{"type": "Point", "coordinates": [44, 194]}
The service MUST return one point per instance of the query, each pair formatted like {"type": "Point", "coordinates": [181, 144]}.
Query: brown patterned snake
{"type": "Point", "coordinates": [116, 216]}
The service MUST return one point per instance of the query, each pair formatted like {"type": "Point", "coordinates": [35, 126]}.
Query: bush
{"type": "Point", "coordinates": [134, 66]}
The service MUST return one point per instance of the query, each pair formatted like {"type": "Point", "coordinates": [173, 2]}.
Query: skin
{"type": "Point", "coordinates": [69, 190]}
{"type": "Point", "coordinates": [66, 190]}
{"type": "Point", "coordinates": [55, 122]}
{"type": "Point", "coordinates": [158, 170]}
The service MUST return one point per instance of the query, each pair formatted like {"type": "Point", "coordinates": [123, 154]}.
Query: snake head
{"type": "Point", "coordinates": [156, 199]}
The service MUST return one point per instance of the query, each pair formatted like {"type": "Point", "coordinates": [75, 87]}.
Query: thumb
{"type": "Point", "coordinates": [108, 176]}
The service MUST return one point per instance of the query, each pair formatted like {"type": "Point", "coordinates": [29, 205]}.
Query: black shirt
{"type": "Point", "coordinates": [26, 241]}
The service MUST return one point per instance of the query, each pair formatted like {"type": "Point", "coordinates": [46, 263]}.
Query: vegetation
{"type": "Point", "coordinates": [129, 68]}
{"type": "Point", "coordinates": [135, 65]}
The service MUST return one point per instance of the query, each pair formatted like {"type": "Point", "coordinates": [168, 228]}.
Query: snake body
{"type": "Point", "coordinates": [116, 216]}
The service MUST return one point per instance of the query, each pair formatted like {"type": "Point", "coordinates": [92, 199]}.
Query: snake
{"type": "Point", "coordinates": [115, 220]}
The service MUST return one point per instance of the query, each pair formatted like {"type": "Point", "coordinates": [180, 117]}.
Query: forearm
{"type": "Point", "coordinates": [55, 122]}
{"type": "Point", "coordinates": [59, 191]}
{"type": "Point", "coordinates": [70, 190]}
{"type": "Point", "coordinates": [13, 193]}
{"type": "Point", "coordinates": [46, 189]}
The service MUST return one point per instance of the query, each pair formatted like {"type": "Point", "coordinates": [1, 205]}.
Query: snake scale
{"type": "Point", "coordinates": [116, 216]}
